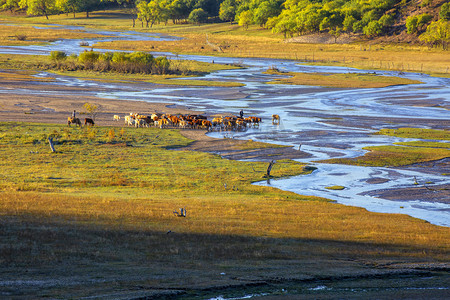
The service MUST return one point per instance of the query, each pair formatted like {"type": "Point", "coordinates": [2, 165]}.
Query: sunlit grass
{"type": "Point", "coordinates": [134, 177]}
{"type": "Point", "coordinates": [344, 80]}
{"type": "Point", "coordinates": [417, 133]}
{"type": "Point", "coordinates": [384, 156]}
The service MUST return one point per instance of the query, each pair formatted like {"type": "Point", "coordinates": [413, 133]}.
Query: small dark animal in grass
{"type": "Point", "coordinates": [88, 121]}
{"type": "Point", "coordinates": [72, 120]}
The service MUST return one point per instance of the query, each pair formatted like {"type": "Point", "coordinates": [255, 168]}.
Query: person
{"type": "Point", "coordinates": [241, 113]}
{"type": "Point", "coordinates": [73, 114]}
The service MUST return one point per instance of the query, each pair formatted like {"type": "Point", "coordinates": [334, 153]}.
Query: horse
{"type": "Point", "coordinates": [72, 120]}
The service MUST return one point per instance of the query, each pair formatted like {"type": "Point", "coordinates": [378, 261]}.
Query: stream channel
{"type": "Point", "coordinates": [324, 122]}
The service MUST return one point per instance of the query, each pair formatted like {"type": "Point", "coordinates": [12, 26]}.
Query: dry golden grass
{"type": "Point", "coordinates": [383, 57]}
{"type": "Point", "coordinates": [346, 80]}
{"type": "Point", "coordinates": [9, 35]}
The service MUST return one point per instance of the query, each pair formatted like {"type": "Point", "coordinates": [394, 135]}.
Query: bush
{"type": "Point", "coordinates": [374, 28]}
{"type": "Point", "coordinates": [88, 57]}
{"type": "Point", "coordinates": [161, 65]}
{"type": "Point", "coordinates": [423, 19]}
{"type": "Point", "coordinates": [444, 13]}
{"type": "Point", "coordinates": [141, 58]}
{"type": "Point", "coordinates": [386, 20]}
{"type": "Point", "coordinates": [411, 24]}
{"type": "Point", "coordinates": [58, 55]}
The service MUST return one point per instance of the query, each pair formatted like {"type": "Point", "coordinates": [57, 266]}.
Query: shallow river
{"type": "Point", "coordinates": [324, 122]}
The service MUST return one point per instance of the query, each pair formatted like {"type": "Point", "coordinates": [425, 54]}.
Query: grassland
{"type": "Point", "coordinates": [104, 203]}
{"type": "Point", "coordinates": [344, 80]}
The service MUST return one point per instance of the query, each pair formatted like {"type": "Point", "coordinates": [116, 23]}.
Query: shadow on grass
{"type": "Point", "coordinates": [66, 258]}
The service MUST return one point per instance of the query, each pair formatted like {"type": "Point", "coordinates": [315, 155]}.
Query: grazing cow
{"type": "Point", "coordinates": [88, 121]}
{"type": "Point", "coordinates": [141, 122]}
{"type": "Point", "coordinates": [116, 117]}
{"type": "Point", "coordinates": [72, 120]}
{"type": "Point", "coordinates": [275, 119]}
{"type": "Point", "coordinates": [129, 120]}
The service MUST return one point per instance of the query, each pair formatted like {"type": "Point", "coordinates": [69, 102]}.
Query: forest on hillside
{"type": "Point", "coordinates": [427, 19]}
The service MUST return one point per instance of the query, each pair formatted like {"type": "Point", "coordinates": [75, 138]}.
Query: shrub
{"type": "Point", "coordinates": [58, 55]}
{"type": "Point", "coordinates": [374, 28]}
{"type": "Point", "coordinates": [444, 13]}
{"type": "Point", "coordinates": [88, 57]}
{"type": "Point", "coordinates": [423, 19]}
{"type": "Point", "coordinates": [107, 56]}
{"type": "Point", "coordinates": [119, 57]}
{"type": "Point", "coordinates": [141, 58]}
{"type": "Point", "coordinates": [161, 65]}
{"type": "Point", "coordinates": [386, 20]}
{"type": "Point", "coordinates": [411, 24]}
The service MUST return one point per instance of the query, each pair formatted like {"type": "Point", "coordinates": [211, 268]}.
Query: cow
{"type": "Point", "coordinates": [72, 120]}
{"type": "Point", "coordinates": [275, 119]}
{"type": "Point", "coordinates": [129, 120]}
{"type": "Point", "coordinates": [116, 117]}
{"type": "Point", "coordinates": [88, 121]}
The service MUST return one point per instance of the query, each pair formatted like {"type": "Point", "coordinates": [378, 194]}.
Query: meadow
{"type": "Point", "coordinates": [96, 218]}
{"type": "Point", "coordinates": [103, 207]}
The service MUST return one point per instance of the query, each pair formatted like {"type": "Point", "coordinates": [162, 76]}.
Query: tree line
{"type": "Point", "coordinates": [289, 17]}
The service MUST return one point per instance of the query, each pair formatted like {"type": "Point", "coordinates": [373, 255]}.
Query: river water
{"type": "Point", "coordinates": [326, 123]}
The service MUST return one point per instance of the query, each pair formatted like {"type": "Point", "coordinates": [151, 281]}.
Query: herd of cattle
{"type": "Point", "coordinates": [184, 121]}
{"type": "Point", "coordinates": [189, 121]}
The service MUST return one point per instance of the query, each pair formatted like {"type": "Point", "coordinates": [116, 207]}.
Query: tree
{"type": "Point", "coordinates": [9, 4]}
{"type": "Point", "coordinates": [150, 12]}
{"type": "Point", "coordinates": [437, 33]}
{"type": "Point", "coordinates": [245, 19]}
{"type": "Point", "coordinates": [38, 7]}
{"type": "Point", "coordinates": [91, 110]}
{"type": "Point", "coordinates": [198, 16]}
{"type": "Point", "coordinates": [374, 28]}
{"type": "Point", "coordinates": [227, 11]}
{"type": "Point", "coordinates": [67, 6]}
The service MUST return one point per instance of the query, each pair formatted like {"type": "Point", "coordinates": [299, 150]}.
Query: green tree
{"type": "Point", "coordinates": [374, 28]}
{"type": "Point", "coordinates": [91, 110]}
{"type": "Point", "coordinates": [227, 11]}
{"type": "Point", "coordinates": [38, 7]}
{"type": "Point", "coordinates": [198, 16]}
{"type": "Point", "coordinates": [11, 5]}
{"type": "Point", "coordinates": [437, 33]}
{"type": "Point", "coordinates": [150, 12]}
{"type": "Point", "coordinates": [245, 19]}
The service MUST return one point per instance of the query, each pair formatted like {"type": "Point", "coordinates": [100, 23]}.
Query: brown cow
{"type": "Point", "coordinates": [88, 121]}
